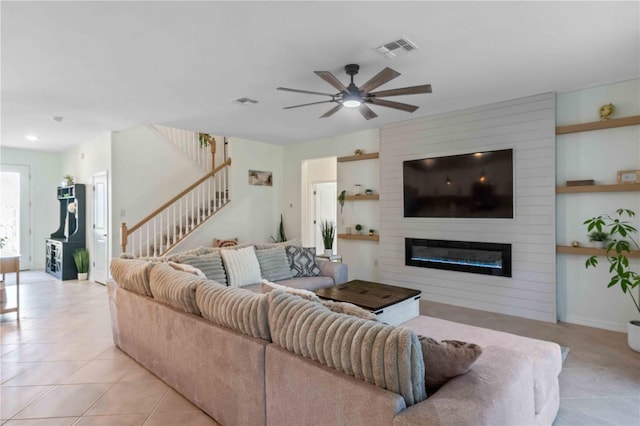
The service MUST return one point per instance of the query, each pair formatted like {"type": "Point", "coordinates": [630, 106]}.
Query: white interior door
{"type": "Point", "coordinates": [325, 200]}
{"type": "Point", "coordinates": [15, 214]}
{"type": "Point", "coordinates": [100, 255]}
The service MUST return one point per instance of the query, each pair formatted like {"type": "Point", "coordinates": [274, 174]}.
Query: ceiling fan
{"type": "Point", "coordinates": [353, 96]}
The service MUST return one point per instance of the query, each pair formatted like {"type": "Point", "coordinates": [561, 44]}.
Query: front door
{"type": "Point", "coordinates": [100, 264]}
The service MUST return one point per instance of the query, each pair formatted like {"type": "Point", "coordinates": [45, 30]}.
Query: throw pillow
{"type": "Point", "coordinates": [210, 265]}
{"type": "Point", "coordinates": [225, 243]}
{"type": "Point", "coordinates": [267, 286]}
{"type": "Point", "coordinates": [242, 266]}
{"type": "Point", "coordinates": [273, 264]}
{"type": "Point", "coordinates": [294, 242]}
{"type": "Point", "coordinates": [186, 268]}
{"type": "Point", "coordinates": [302, 261]}
{"type": "Point", "coordinates": [445, 360]}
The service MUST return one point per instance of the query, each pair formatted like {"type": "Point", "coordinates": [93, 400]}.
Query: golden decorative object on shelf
{"type": "Point", "coordinates": [575, 243]}
{"type": "Point", "coordinates": [606, 111]}
{"type": "Point", "coordinates": [358, 152]}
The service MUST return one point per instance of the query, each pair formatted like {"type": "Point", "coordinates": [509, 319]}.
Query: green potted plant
{"type": "Point", "coordinates": [3, 242]}
{"type": "Point", "coordinates": [81, 258]}
{"type": "Point", "coordinates": [621, 271]}
{"type": "Point", "coordinates": [358, 228]}
{"type": "Point", "coordinates": [328, 231]}
{"type": "Point", "coordinates": [341, 199]}
{"type": "Point", "coordinates": [68, 180]}
{"type": "Point", "coordinates": [599, 239]}
{"type": "Point", "coordinates": [372, 232]}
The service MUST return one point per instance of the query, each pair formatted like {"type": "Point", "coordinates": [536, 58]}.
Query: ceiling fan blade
{"type": "Point", "coordinates": [367, 112]}
{"type": "Point", "coordinates": [413, 90]}
{"type": "Point", "coordinates": [390, 104]}
{"type": "Point", "coordinates": [304, 91]}
{"type": "Point", "coordinates": [303, 105]}
{"type": "Point", "coordinates": [379, 79]}
{"type": "Point", "coordinates": [331, 111]}
{"type": "Point", "coordinates": [331, 79]}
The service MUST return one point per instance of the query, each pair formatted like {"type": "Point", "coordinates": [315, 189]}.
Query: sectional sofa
{"type": "Point", "coordinates": [247, 358]}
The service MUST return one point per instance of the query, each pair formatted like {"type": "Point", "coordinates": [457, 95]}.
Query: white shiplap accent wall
{"type": "Point", "coordinates": [528, 126]}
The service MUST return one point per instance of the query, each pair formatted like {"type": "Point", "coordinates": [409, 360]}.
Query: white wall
{"type": "Point", "coordinates": [361, 256]}
{"type": "Point", "coordinates": [528, 126]}
{"type": "Point", "coordinates": [82, 162]}
{"type": "Point", "coordinates": [146, 172]}
{"type": "Point", "coordinates": [46, 174]}
{"type": "Point", "coordinates": [583, 296]}
{"type": "Point", "coordinates": [254, 212]}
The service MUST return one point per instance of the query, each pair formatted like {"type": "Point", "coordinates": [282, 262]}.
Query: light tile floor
{"type": "Point", "coordinates": [60, 367]}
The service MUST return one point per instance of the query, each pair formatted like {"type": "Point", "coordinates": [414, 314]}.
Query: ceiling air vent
{"type": "Point", "coordinates": [394, 47]}
{"type": "Point", "coordinates": [245, 101]}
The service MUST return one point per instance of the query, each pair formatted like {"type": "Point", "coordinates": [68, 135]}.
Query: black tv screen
{"type": "Point", "coordinates": [475, 185]}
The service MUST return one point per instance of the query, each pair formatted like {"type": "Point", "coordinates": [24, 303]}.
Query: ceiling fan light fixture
{"type": "Point", "coordinates": [351, 101]}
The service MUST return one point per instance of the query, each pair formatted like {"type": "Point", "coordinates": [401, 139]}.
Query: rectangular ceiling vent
{"type": "Point", "coordinates": [245, 101]}
{"type": "Point", "coordinates": [394, 47]}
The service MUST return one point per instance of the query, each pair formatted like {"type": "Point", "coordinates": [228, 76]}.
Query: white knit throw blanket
{"type": "Point", "coordinates": [386, 356]}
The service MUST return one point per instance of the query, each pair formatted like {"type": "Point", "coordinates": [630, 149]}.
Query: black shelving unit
{"type": "Point", "coordinates": [71, 234]}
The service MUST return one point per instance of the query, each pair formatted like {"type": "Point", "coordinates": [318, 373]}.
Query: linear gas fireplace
{"type": "Point", "coordinates": [463, 256]}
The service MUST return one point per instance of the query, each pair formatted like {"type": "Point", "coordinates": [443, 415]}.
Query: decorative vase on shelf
{"type": "Point", "coordinates": [357, 189]}
{"type": "Point", "coordinates": [599, 244]}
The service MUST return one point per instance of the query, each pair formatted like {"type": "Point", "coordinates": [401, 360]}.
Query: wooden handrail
{"type": "Point", "coordinates": [174, 199]}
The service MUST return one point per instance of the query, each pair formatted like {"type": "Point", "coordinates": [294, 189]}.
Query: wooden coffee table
{"type": "Point", "coordinates": [392, 305]}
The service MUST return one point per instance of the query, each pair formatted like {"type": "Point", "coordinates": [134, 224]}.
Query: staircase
{"type": "Point", "coordinates": [200, 148]}
{"type": "Point", "coordinates": [171, 223]}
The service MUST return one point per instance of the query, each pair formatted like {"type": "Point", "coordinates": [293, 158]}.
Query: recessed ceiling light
{"type": "Point", "coordinates": [57, 118]}
{"type": "Point", "coordinates": [31, 138]}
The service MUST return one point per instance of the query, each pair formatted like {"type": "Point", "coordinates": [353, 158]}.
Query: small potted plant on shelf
{"type": "Point", "coordinates": [372, 232]}
{"type": "Point", "coordinates": [599, 239]}
{"type": "Point", "coordinates": [68, 180]}
{"type": "Point", "coordinates": [328, 231]}
{"type": "Point", "coordinates": [368, 191]}
{"type": "Point", "coordinates": [620, 269]}
{"type": "Point", "coordinates": [359, 229]}
{"type": "Point", "coordinates": [81, 258]}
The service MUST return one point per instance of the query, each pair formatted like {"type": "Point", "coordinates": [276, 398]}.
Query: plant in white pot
{"type": "Point", "coordinates": [328, 231]}
{"type": "Point", "coordinates": [621, 270]}
{"type": "Point", "coordinates": [81, 258]}
{"type": "Point", "coordinates": [599, 239]}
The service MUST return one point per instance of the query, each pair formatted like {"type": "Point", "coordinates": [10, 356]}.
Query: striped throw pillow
{"type": "Point", "coordinates": [273, 264]}
{"type": "Point", "coordinates": [210, 265]}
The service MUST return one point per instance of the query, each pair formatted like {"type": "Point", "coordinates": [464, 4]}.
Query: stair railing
{"type": "Point", "coordinates": [200, 148]}
{"type": "Point", "coordinates": [161, 230]}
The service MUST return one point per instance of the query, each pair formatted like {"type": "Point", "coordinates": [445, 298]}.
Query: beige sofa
{"type": "Point", "coordinates": [249, 359]}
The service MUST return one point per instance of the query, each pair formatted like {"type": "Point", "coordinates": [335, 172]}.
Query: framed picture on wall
{"type": "Point", "coordinates": [629, 176]}
{"type": "Point", "coordinates": [260, 178]}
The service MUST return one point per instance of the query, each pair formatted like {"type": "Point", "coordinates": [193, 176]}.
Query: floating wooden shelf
{"type": "Point", "coordinates": [362, 197]}
{"type": "Point", "coordinates": [359, 237]}
{"type": "Point", "coordinates": [598, 125]}
{"type": "Point", "coordinates": [591, 251]}
{"type": "Point", "coordinates": [620, 187]}
{"type": "Point", "coordinates": [359, 157]}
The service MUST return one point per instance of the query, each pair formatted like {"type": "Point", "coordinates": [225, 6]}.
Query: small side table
{"type": "Point", "coordinates": [10, 263]}
{"type": "Point", "coordinates": [333, 258]}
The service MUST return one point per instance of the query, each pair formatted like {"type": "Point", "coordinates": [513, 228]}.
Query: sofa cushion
{"type": "Point", "coordinates": [210, 264]}
{"type": "Point", "coordinates": [308, 283]}
{"type": "Point", "coordinates": [445, 360]}
{"type": "Point", "coordinates": [242, 266]}
{"type": "Point", "coordinates": [386, 356]}
{"type": "Point", "coordinates": [175, 288]}
{"type": "Point", "coordinates": [235, 308]}
{"type": "Point", "coordinates": [273, 264]}
{"type": "Point", "coordinates": [267, 286]}
{"type": "Point", "coordinates": [302, 261]}
{"type": "Point", "coordinates": [132, 275]}
{"type": "Point", "coordinates": [546, 357]}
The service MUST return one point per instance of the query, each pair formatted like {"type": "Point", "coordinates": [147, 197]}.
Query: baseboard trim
{"type": "Point", "coordinates": [606, 325]}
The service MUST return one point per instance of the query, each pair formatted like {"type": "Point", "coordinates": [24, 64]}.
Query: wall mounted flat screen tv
{"type": "Point", "coordinates": [474, 185]}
